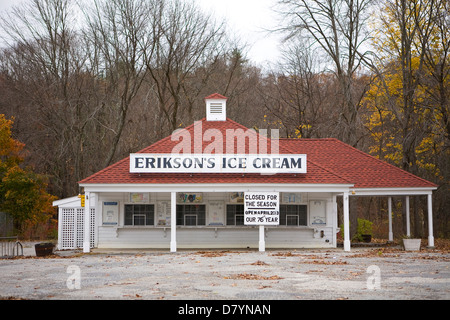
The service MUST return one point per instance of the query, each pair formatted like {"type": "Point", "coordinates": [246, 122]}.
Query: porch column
{"type": "Point", "coordinates": [335, 220]}
{"type": "Point", "coordinates": [346, 223]}
{"type": "Point", "coordinates": [262, 242]}
{"type": "Point", "coordinates": [87, 223]}
{"type": "Point", "coordinates": [430, 221]}
{"type": "Point", "coordinates": [391, 235]}
{"type": "Point", "coordinates": [408, 225]}
{"type": "Point", "coordinates": [173, 222]}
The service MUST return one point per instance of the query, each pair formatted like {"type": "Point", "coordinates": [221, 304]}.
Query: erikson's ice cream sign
{"type": "Point", "coordinates": [217, 163]}
{"type": "Point", "coordinates": [214, 160]}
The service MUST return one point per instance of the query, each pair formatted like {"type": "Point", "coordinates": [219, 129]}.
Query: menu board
{"type": "Point", "coordinates": [139, 197]}
{"type": "Point", "coordinates": [110, 213]}
{"type": "Point", "coordinates": [317, 211]}
{"type": "Point", "coordinates": [216, 210]}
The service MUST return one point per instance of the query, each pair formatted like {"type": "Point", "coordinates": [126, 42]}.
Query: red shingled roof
{"type": "Point", "coordinates": [216, 96]}
{"type": "Point", "coordinates": [329, 161]}
{"type": "Point", "coordinates": [119, 172]}
{"type": "Point", "coordinates": [360, 168]}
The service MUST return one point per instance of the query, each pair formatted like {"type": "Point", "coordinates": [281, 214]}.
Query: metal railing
{"type": "Point", "coordinates": [10, 247]}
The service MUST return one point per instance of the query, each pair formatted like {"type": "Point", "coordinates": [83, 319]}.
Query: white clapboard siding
{"type": "Point", "coordinates": [197, 238]}
{"type": "Point", "coordinates": [297, 238]}
{"type": "Point", "coordinates": [134, 237]}
{"type": "Point", "coordinates": [218, 238]}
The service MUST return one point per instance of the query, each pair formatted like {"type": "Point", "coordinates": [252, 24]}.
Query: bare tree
{"type": "Point", "coordinates": [337, 28]}
{"type": "Point", "coordinates": [47, 74]}
{"type": "Point", "coordinates": [187, 40]}
{"type": "Point", "coordinates": [299, 93]}
{"type": "Point", "coordinates": [120, 37]}
{"type": "Point", "coordinates": [77, 86]}
{"type": "Point", "coordinates": [412, 42]}
{"type": "Point", "coordinates": [434, 40]}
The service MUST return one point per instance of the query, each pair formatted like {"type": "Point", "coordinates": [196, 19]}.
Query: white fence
{"type": "Point", "coordinates": [10, 247]}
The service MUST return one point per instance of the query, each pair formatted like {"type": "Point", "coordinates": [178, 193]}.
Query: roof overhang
{"type": "Point", "coordinates": [219, 187]}
{"type": "Point", "coordinates": [391, 191]}
{"type": "Point", "coordinates": [68, 202]}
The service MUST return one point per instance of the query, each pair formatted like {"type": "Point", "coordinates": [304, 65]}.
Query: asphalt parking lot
{"type": "Point", "coordinates": [362, 274]}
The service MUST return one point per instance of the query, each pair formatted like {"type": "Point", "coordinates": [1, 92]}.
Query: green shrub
{"type": "Point", "coordinates": [364, 227]}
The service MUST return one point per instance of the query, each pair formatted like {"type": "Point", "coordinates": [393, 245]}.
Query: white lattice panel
{"type": "Point", "coordinates": [92, 228]}
{"type": "Point", "coordinates": [72, 228]}
{"type": "Point", "coordinates": [67, 232]}
{"type": "Point", "coordinates": [80, 227]}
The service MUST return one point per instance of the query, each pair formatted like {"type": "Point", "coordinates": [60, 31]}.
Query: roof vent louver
{"type": "Point", "coordinates": [216, 107]}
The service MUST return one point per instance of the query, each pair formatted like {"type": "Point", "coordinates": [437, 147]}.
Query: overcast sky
{"type": "Point", "coordinates": [247, 20]}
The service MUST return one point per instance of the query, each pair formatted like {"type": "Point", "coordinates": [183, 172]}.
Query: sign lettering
{"type": "Point", "coordinates": [262, 208]}
{"type": "Point", "coordinates": [217, 163]}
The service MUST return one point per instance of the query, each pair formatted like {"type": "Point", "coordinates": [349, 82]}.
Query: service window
{"type": "Point", "coordinates": [293, 215]}
{"type": "Point", "coordinates": [191, 215]}
{"type": "Point", "coordinates": [235, 215]}
{"type": "Point", "coordinates": [190, 219]}
{"type": "Point", "coordinates": [139, 214]}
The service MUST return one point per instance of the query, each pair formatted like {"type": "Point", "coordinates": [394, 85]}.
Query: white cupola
{"type": "Point", "coordinates": [216, 107]}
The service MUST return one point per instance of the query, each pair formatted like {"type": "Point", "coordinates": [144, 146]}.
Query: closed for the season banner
{"type": "Point", "coordinates": [262, 208]}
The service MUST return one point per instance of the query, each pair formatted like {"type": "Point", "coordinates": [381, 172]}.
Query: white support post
{"type": "Point", "coordinates": [87, 223]}
{"type": "Point", "coordinates": [346, 223]}
{"type": "Point", "coordinates": [335, 220]}
{"type": "Point", "coordinates": [408, 225]}
{"type": "Point", "coordinates": [60, 218]}
{"type": "Point", "coordinates": [391, 234]}
{"type": "Point", "coordinates": [173, 222]}
{"type": "Point", "coordinates": [262, 243]}
{"type": "Point", "coordinates": [430, 221]}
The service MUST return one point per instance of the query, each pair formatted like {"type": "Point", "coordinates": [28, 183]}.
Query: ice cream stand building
{"type": "Point", "coordinates": [218, 184]}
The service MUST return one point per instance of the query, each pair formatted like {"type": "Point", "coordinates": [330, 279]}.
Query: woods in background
{"type": "Point", "coordinates": [90, 82]}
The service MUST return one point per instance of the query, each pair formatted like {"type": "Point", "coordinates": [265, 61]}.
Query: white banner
{"type": "Point", "coordinates": [217, 163]}
{"type": "Point", "coordinates": [262, 208]}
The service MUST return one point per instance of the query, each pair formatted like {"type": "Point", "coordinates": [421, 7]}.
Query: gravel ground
{"type": "Point", "coordinates": [380, 274]}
